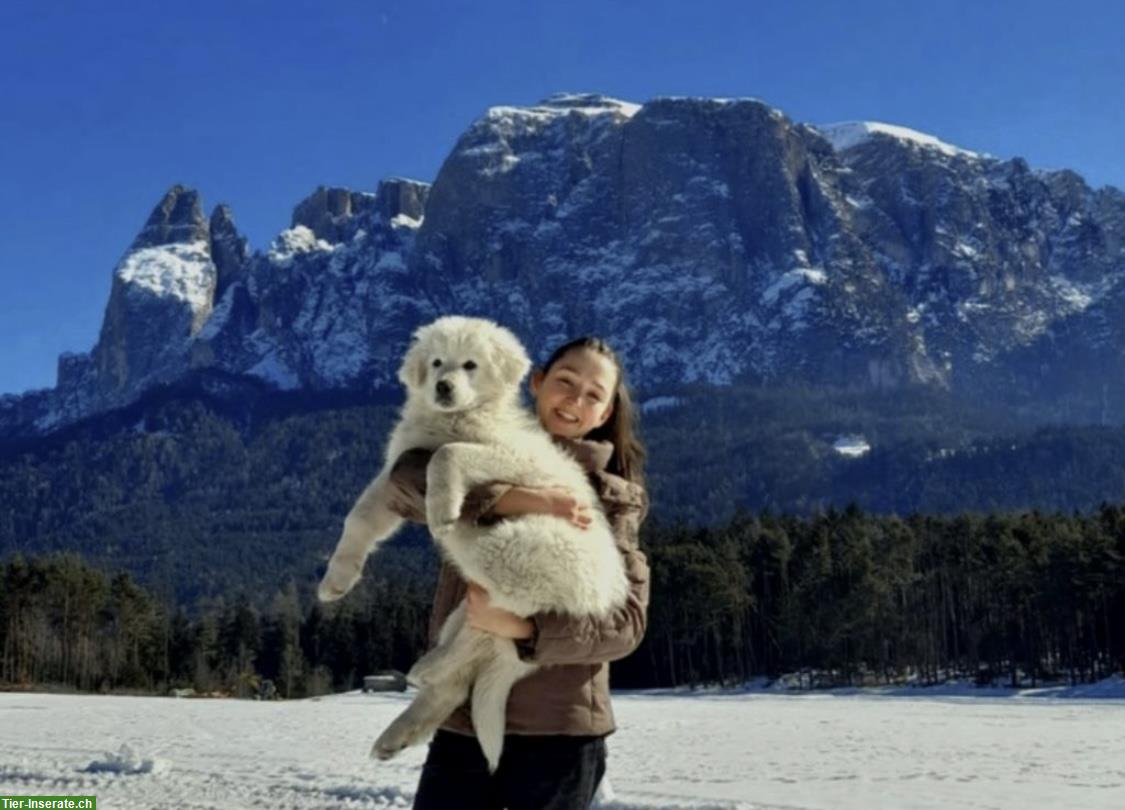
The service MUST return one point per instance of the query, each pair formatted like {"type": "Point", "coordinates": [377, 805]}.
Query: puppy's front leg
{"type": "Point", "coordinates": [369, 522]}
{"type": "Point", "coordinates": [445, 488]}
{"type": "Point", "coordinates": [454, 469]}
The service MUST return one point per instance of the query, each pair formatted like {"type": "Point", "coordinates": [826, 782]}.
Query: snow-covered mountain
{"type": "Point", "coordinates": [709, 239]}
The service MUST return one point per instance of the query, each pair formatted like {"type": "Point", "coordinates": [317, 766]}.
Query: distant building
{"type": "Point", "coordinates": [387, 680]}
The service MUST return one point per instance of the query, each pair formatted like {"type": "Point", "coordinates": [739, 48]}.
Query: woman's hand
{"type": "Point", "coordinates": [480, 614]}
{"type": "Point", "coordinates": [544, 501]}
{"type": "Point", "coordinates": [564, 504]}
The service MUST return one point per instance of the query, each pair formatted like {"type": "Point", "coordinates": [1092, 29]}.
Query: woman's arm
{"type": "Point", "coordinates": [561, 639]}
{"type": "Point", "coordinates": [408, 490]}
{"type": "Point", "coordinates": [553, 638]}
{"type": "Point", "coordinates": [484, 504]}
{"type": "Point", "coordinates": [544, 501]}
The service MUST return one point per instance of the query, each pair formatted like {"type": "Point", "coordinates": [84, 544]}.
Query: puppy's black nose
{"type": "Point", "coordinates": [444, 389]}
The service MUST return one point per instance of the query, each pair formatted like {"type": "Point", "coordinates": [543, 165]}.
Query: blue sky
{"type": "Point", "coordinates": [105, 105]}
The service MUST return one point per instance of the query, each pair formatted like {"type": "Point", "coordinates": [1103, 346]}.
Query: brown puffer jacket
{"type": "Point", "coordinates": [570, 694]}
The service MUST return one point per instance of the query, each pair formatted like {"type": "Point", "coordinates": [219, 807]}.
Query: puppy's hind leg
{"type": "Point", "coordinates": [369, 522]}
{"type": "Point", "coordinates": [437, 699]}
{"type": "Point", "coordinates": [433, 704]}
{"type": "Point", "coordinates": [430, 666]}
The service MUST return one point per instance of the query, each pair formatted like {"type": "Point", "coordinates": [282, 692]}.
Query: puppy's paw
{"type": "Point", "coordinates": [442, 529]}
{"type": "Point", "coordinates": [441, 513]}
{"type": "Point", "coordinates": [384, 749]}
{"type": "Point", "coordinates": [341, 577]}
{"type": "Point", "coordinates": [400, 735]}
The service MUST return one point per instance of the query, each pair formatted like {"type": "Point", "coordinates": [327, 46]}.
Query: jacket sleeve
{"type": "Point", "coordinates": [563, 639]}
{"type": "Point", "coordinates": [408, 491]}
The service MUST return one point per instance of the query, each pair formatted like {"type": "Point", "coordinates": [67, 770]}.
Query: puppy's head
{"type": "Point", "coordinates": [458, 363]}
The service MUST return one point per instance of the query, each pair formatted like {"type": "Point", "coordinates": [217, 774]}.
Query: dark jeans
{"type": "Point", "coordinates": [554, 772]}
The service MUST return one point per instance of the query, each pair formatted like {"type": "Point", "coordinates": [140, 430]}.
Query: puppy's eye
{"type": "Point", "coordinates": [436, 363]}
{"type": "Point", "coordinates": [469, 365]}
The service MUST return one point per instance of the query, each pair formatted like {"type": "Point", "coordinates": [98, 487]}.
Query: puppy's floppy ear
{"type": "Point", "coordinates": [412, 372]}
{"type": "Point", "coordinates": [508, 356]}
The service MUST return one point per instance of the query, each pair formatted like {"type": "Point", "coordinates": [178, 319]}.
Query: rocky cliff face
{"type": "Point", "coordinates": [709, 239]}
{"type": "Point", "coordinates": [1011, 274]}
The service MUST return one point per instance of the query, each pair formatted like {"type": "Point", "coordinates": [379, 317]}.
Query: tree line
{"type": "Point", "coordinates": [843, 597]}
{"type": "Point", "coordinates": [853, 598]}
{"type": "Point", "coordinates": [197, 499]}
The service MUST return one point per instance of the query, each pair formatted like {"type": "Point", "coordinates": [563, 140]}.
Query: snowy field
{"type": "Point", "coordinates": [829, 751]}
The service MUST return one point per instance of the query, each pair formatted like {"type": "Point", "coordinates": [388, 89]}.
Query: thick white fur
{"type": "Point", "coordinates": [528, 564]}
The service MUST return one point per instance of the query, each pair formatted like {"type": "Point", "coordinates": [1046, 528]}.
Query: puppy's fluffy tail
{"type": "Point", "coordinates": [490, 698]}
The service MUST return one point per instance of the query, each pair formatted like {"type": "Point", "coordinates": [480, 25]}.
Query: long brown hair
{"type": "Point", "coordinates": [628, 459]}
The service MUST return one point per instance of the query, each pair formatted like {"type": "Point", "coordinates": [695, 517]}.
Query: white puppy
{"type": "Point", "coordinates": [462, 377]}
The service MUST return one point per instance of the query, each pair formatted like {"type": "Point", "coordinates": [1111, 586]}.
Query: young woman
{"type": "Point", "coordinates": [557, 718]}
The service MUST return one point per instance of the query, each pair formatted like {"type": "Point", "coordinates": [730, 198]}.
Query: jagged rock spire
{"type": "Point", "coordinates": [229, 249]}
{"type": "Point", "coordinates": [398, 196]}
{"type": "Point", "coordinates": [177, 218]}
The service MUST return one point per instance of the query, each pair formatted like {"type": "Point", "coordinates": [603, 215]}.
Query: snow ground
{"type": "Point", "coordinates": [707, 750]}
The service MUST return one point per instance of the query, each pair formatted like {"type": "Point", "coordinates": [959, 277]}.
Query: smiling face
{"type": "Point", "coordinates": [576, 394]}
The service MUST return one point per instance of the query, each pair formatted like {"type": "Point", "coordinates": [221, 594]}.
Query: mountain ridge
{"type": "Point", "coordinates": [711, 240]}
